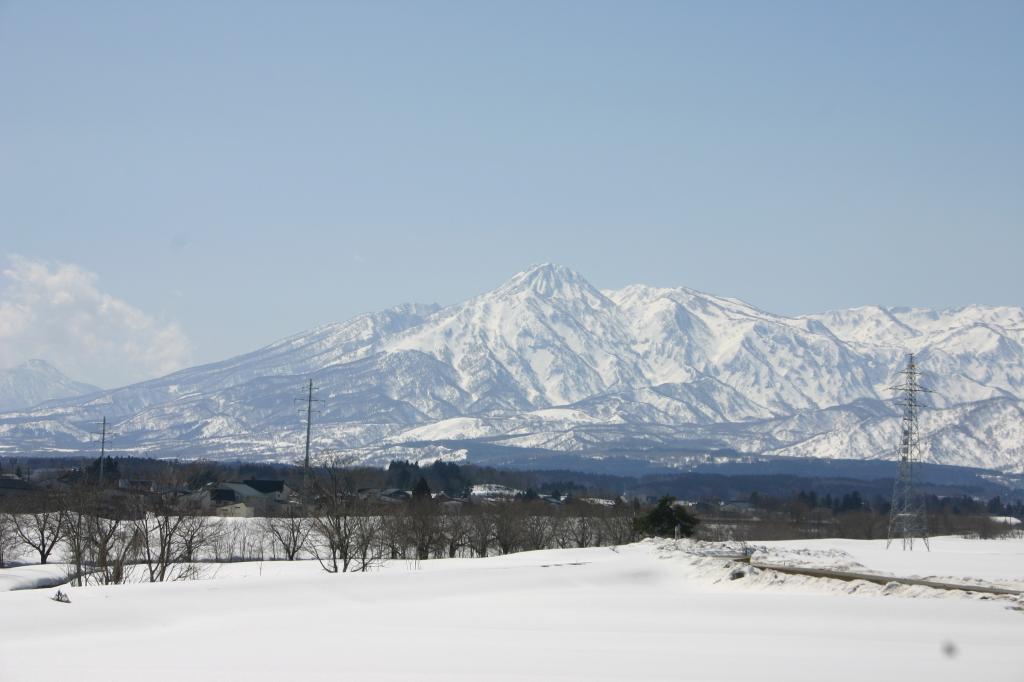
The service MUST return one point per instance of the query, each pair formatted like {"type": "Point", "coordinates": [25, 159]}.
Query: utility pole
{"type": "Point", "coordinates": [103, 446]}
{"type": "Point", "coordinates": [907, 515]}
{"type": "Point", "coordinates": [308, 411]}
{"type": "Point", "coordinates": [309, 424]}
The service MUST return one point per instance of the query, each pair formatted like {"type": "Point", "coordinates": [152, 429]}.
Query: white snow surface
{"type": "Point", "coordinates": [656, 610]}
{"type": "Point", "coordinates": [548, 361]}
{"type": "Point", "coordinates": [32, 576]}
{"type": "Point", "coordinates": [999, 562]}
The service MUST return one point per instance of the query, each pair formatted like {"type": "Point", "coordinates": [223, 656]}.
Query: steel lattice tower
{"type": "Point", "coordinates": [907, 517]}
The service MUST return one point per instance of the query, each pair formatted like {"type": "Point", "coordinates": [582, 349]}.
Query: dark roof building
{"type": "Point", "coordinates": [265, 486]}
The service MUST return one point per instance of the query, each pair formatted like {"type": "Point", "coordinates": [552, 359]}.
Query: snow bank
{"type": "Point", "coordinates": [32, 576]}
{"type": "Point", "coordinates": [825, 559]}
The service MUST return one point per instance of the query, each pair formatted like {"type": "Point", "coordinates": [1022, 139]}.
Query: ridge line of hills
{"type": "Point", "coordinates": [549, 363]}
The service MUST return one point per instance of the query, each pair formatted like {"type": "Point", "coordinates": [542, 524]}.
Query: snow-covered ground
{"type": "Point", "coordinates": [657, 610]}
{"type": "Point", "coordinates": [999, 562]}
{"type": "Point", "coordinates": [31, 576]}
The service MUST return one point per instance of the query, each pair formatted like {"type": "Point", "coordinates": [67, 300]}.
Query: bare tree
{"type": "Point", "coordinates": [75, 534]}
{"type": "Point", "coordinates": [453, 532]}
{"type": "Point", "coordinates": [619, 526]}
{"type": "Point", "coordinates": [98, 546]}
{"type": "Point", "coordinates": [561, 537]}
{"type": "Point", "coordinates": [289, 531]}
{"type": "Point", "coordinates": [369, 544]}
{"type": "Point", "coordinates": [154, 533]}
{"type": "Point", "coordinates": [246, 541]}
{"type": "Point", "coordinates": [481, 530]}
{"type": "Point", "coordinates": [536, 531]}
{"type": "Point", "coordinates": [39, 527]}
{"type": "Point", "coordinates": [332, 537]}
{"type": "Point", "coordinates": [508, 526]}
{"type": "Point", "coordinates": [422, 527]}
{"type": "Point", "coordinates": [394, 535]}
{"type": "Point", "coordinates": [196, 534]}
{"type": "Point", "coordinates": [332, 526]}
{"type": "Point", "coordinates": [580, 528]}
{"type": "Point", "coordinates": [116, 548]}
{"type": "Point", "coordinates": [9, 541]}
{"type": "Point", "coordinates": [169, 539]}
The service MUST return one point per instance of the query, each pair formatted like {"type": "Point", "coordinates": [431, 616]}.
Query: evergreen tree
{"type": "Point", "coordinates": [666, 516]}
{"type": "Point", "coordinates": [421, 491]}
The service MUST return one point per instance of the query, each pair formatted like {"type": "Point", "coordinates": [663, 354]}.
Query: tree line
{"type": "Point", "coordinates": [108, 536]}
{"type": "Point", "coordinates": [807, 514]}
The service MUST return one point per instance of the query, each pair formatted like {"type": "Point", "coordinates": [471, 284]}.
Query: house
{"type": "Point", "coordinates": [279, 490]}
{"type": "Point", "coordinates": [243, 498]}
{"type": "Point", "coordinates": [236, 509]}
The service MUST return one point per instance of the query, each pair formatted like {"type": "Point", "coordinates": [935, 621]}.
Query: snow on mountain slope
{"type": "Point", "coordinates": [988, 434]}
{"type": "Point", "coordinates": [779, 364]}
{"type": "Point", "coordinates": [298, 355]}
{"type": "Point", "coordinates": [968, 354]}
{"type": "Point", "coordinates": [548, 361]}
{"type": "Point", "coordinates": [546, 337]}
{"type": "Point", "coordinates": [34, 382]}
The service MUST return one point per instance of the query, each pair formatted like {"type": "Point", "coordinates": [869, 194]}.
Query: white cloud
{"type": "Point", "coordinates": [57, 312]}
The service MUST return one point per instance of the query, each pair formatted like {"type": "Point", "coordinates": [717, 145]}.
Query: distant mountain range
{"type": "Point", "coordinates": [547, 363]}
{"type": "Point", "coordinates": [34, 382]}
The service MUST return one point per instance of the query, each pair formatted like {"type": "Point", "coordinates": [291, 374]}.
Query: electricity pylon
{"type": "Point", "coordinates": [907, 516]}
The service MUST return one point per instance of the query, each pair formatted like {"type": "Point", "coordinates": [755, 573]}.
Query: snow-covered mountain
{"type": "Point", "coordinates": [34, 382]}
{"type": "Point", "coordinates": [547, 361]}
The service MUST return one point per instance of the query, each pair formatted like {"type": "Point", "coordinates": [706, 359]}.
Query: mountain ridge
{"type": "Point", "coordinates": [548, 360]}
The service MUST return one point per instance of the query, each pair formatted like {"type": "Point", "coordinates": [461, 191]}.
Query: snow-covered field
{"type": "Point", "coordinates": [657, 610]}
{"type": "Point", "coordinates": [1000, 562]}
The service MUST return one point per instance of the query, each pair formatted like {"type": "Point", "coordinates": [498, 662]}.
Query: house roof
{"type": "Point", "coordinates": [265, 486]}
{"type": "Point", "coordinates": [223, 495]}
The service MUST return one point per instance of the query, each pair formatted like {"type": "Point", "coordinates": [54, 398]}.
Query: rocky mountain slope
{"type": "Point", "coordinates": [548, 361]}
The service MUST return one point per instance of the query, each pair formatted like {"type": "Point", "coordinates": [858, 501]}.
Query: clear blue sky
{"type": "Point", "coordinates": [249, 170]}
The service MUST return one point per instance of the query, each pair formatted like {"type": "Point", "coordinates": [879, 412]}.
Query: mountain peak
{"type": "Point", "coordinates": [39, 365]}
{"type": "Point", "coordinates": [35, 381]}
{"type": "Point", "coordinates": [549, 279]}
